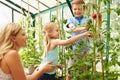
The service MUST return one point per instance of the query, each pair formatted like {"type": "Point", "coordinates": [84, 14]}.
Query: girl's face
{"type": "Point", "coordinates": [55, 33]}
{"type": "Point", "coordinates": [78, 10]}
{"type": "Point", "coordinates": [21, 38]}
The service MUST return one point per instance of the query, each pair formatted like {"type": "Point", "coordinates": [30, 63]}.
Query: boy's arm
{"type": "Point", "coordinates": [78, 29]}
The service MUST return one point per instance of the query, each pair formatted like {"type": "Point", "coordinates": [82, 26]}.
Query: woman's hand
{"type": "Point", "coordinates": [48, 67]}
{"type": "Point", "coordinates": [29, 77]}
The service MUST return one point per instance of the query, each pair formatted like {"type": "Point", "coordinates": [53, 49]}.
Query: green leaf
{"type": "Point", "coordinates": [65, 21]}
{"type": "Point", "coordinates": [117, 11]}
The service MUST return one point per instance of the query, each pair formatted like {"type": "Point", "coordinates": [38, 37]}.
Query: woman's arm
{"type": "Point", "coordinates": [47, 67]}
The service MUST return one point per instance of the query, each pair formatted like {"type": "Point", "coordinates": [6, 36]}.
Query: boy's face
{"type": "Point", "coordinates": [78, 10]}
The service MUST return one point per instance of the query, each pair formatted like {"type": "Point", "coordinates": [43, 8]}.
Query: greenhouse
{"type": "Point", "coordinates": [88, 47]}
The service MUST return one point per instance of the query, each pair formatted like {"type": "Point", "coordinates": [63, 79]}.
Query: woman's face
{"type": "Point", "coordinates": [21, 39]}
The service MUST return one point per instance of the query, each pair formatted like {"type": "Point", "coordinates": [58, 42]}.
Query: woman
{"type": "Point", "coordinates": [12, 38]}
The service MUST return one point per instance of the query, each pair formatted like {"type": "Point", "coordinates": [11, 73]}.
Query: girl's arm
{"type": "Point", "coordinates": [14, 64]}
{"type": "Point", "coordinates": [70, 40]}
{"type": "Point", "coordinates": [47, 67]}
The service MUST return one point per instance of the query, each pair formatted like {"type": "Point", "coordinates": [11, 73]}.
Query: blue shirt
{"type": "Point", "coordinates": [79, 22]}
{"type": "Point", "coordinates": [51, 56]}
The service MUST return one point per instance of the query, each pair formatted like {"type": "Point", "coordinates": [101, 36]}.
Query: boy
{"type": "Point", "coordinates": [77, 26]}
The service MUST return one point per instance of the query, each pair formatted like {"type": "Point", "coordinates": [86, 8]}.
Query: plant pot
{"type": "Point", "coordinates": [31, 70]}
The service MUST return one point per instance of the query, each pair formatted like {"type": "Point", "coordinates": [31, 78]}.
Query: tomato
{"type": "Point", "coordinates": [94, 16]}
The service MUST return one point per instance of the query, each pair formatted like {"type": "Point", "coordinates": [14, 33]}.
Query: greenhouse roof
{"type": "Point", "coordinates": [32, 5]}
{"type": "Point", "coordinates": [13, 10]}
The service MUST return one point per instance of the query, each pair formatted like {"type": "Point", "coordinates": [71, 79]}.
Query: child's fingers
{"type": "Point", "coordinates": [60, 67]}
{"type": "Point", "coordinates": [90, 34]}
{"type": "Point", "coordinates": [86, 27]}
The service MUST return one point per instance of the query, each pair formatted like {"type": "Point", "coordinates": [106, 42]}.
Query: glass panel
{"type": "Point", "coordinates": [5, 15]}
{"type": "Point", "coordinates": [33, 6]}
{"type": "Point", "coordinates": [45, 18]}
{"type": "Point", "coordinates": [11, 5]}
{"type": "Point", "coordinates": [17, 17]}
{"type": "Point", "coordinates": [67, 13]}
{"type": "Point", "coordinates": [20, 4]}
{"type": "Point", "coordinates": [49, 3]}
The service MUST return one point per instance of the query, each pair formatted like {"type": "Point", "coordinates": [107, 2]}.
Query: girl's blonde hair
{"type": "Point", "coordinates": [11, 29]}
{"type": "Point", "coordinates": [48, 27]}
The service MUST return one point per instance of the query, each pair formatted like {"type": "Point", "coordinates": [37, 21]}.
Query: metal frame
{"type": "Point", "coordinates": [20, 7]}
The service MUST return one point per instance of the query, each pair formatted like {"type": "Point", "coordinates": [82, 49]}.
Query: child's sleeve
{"type": "Point", "coordinates": [69, 21]}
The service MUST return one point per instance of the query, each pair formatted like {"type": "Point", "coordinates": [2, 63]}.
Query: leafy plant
{"type": "Point", "coordinates": [97, 55]}
{"type": "Point", "coordinates": [31, 55]}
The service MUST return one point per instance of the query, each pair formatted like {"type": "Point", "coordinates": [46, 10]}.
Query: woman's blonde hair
{"type": "Point", "coordinates": [6, 44]}
{"type": "Point", "coordinates": [48, 27]}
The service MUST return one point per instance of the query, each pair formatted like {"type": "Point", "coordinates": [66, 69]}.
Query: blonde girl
{"type": "Point", "coordinates": [52, 40]}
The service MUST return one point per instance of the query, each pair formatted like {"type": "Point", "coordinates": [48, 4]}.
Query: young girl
{"type": "Point", "coordinates": [52, 40]}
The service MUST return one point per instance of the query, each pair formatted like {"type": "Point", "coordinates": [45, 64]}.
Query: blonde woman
{"type": "Point", "coordinates": [12, 38]}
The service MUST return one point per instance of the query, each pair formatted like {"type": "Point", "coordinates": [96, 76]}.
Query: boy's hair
{"type": "Point", "coordinates": [78, 2]}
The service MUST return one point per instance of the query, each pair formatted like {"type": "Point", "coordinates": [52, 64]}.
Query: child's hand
{"type": "Point", "coordinates": [60, 66]}
{"type": "Point", "coordinates": [86, 27]}
{"type": "Point", "coordinates": [71, 26]}
{"type": "Point", "coordinates": [89, 34]}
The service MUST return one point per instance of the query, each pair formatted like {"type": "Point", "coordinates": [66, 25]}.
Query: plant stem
{"type": "Point", "coordinates": [101, 57]}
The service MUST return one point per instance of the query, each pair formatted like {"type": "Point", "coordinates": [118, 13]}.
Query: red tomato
{"type": "Point", "coordinates": [94, 16]}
